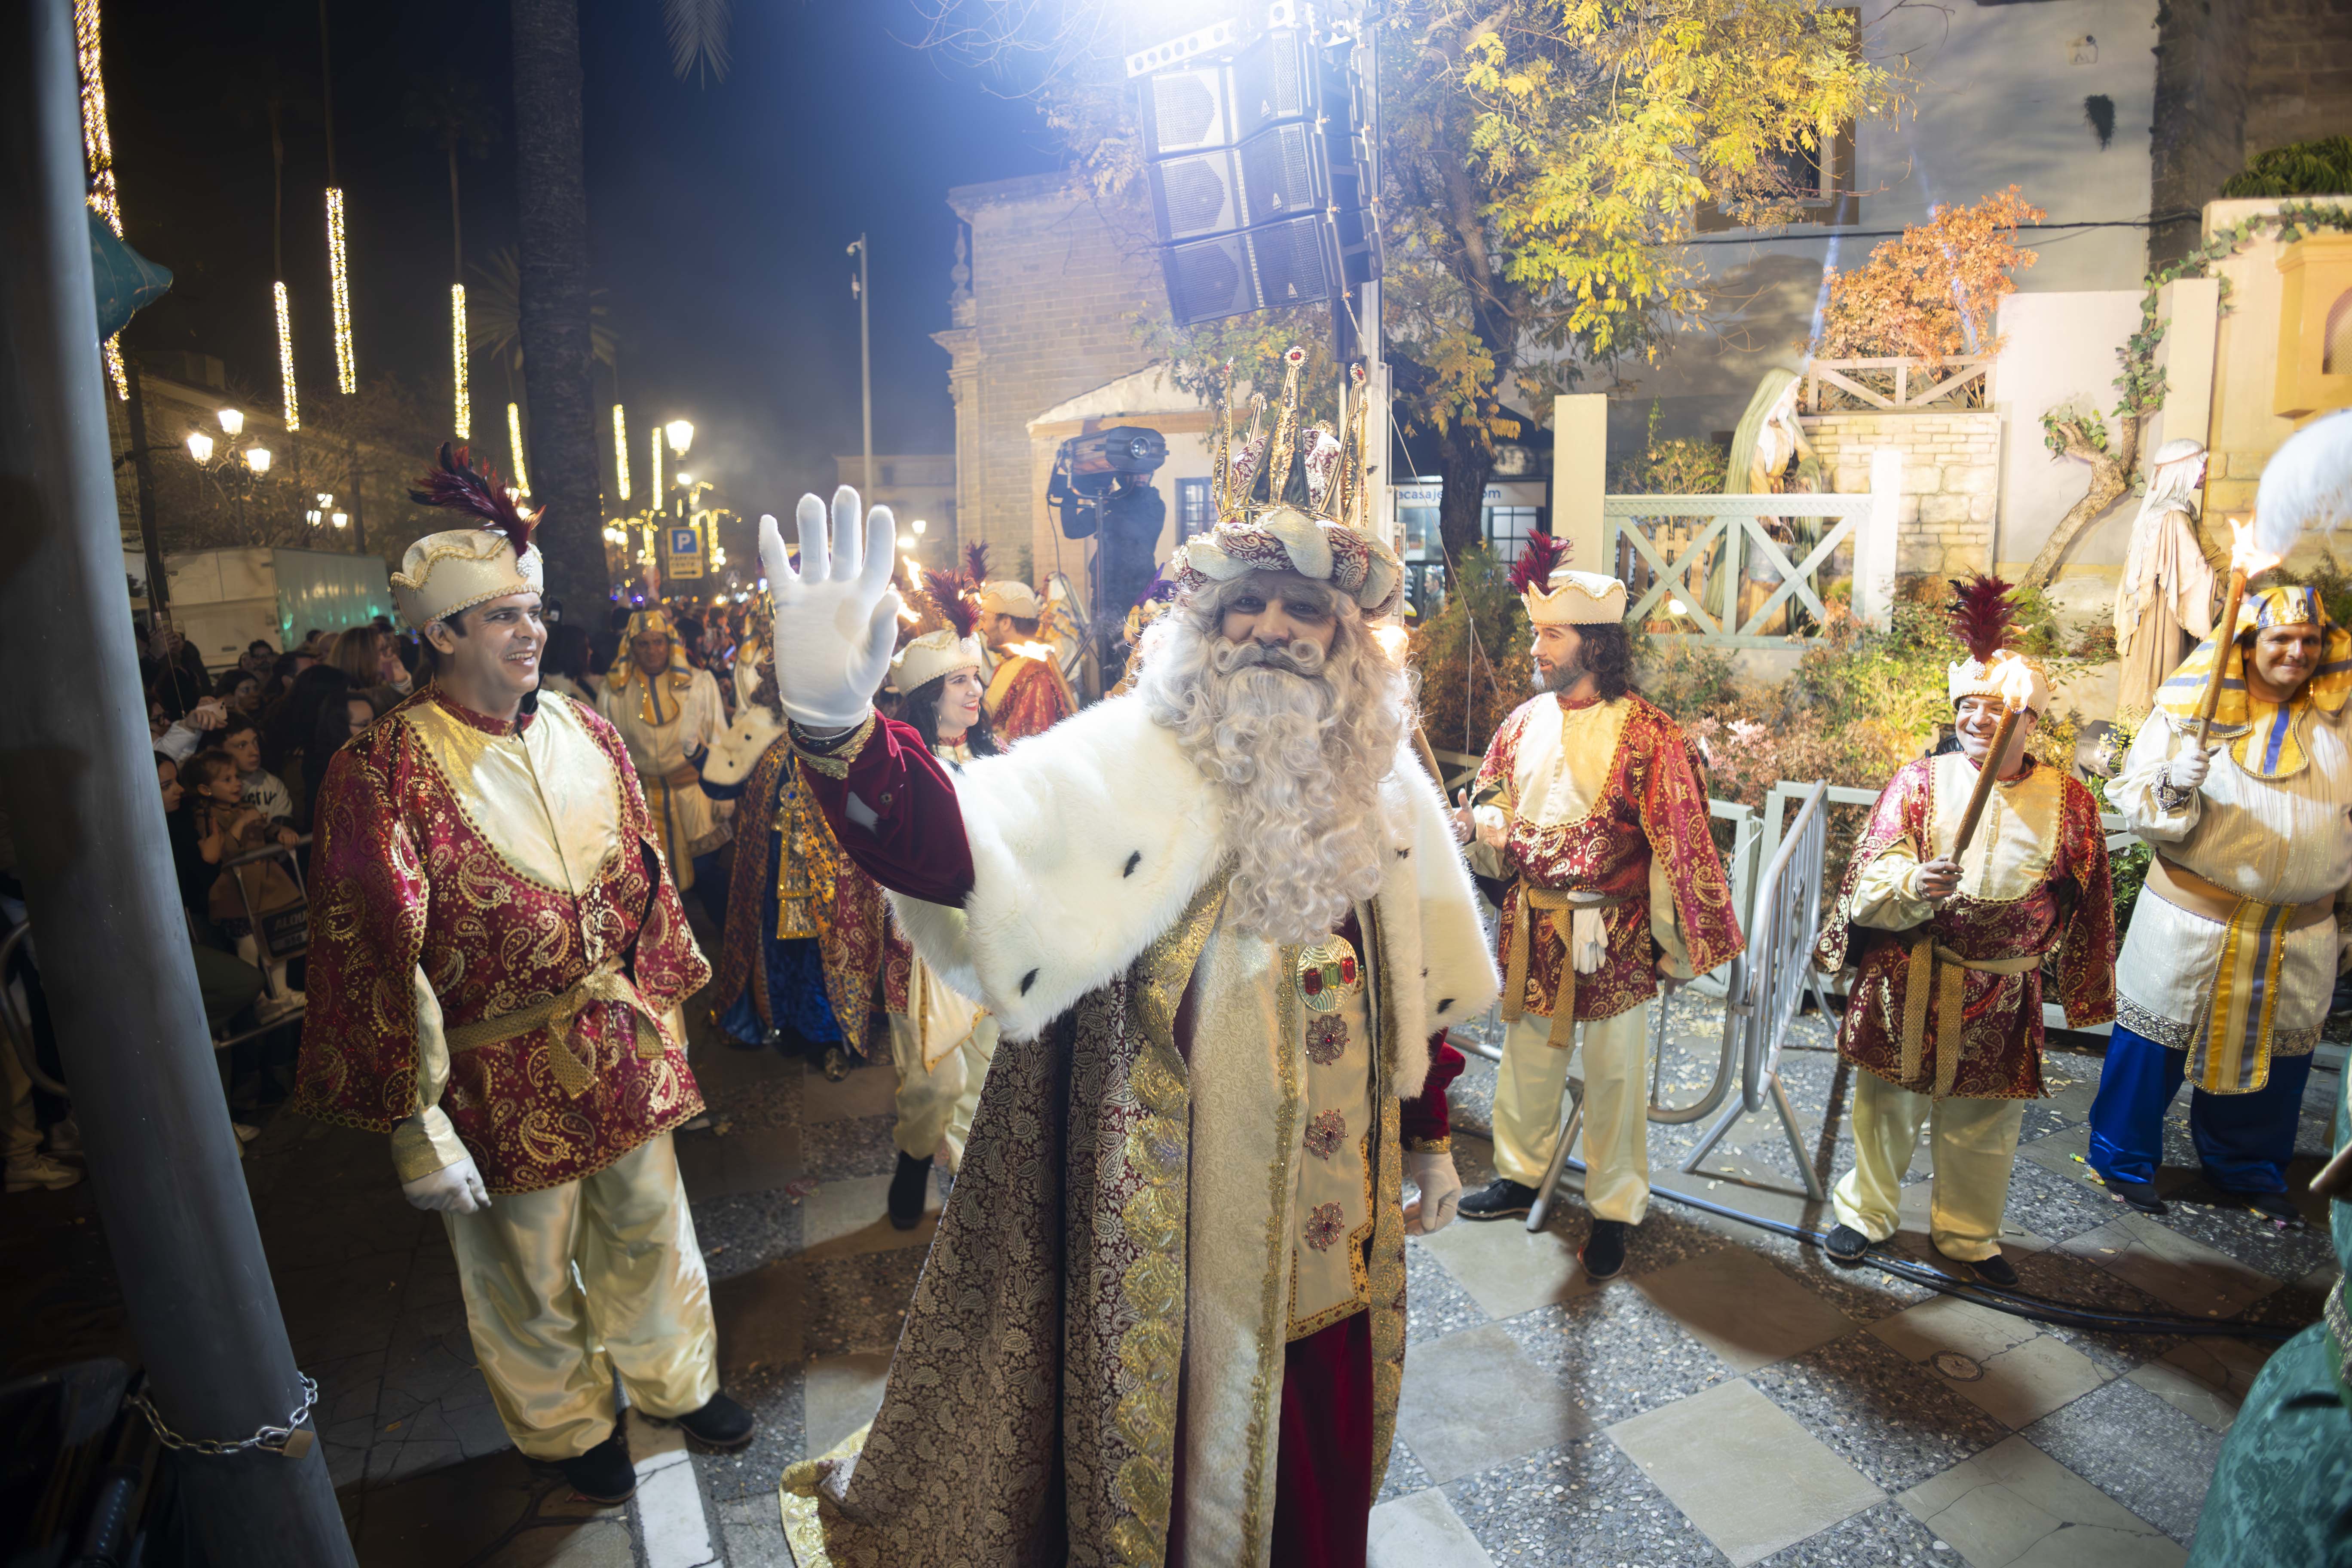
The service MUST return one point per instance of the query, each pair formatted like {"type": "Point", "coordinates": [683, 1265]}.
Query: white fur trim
{"type": "Point", "coordinates": [1088, 841]}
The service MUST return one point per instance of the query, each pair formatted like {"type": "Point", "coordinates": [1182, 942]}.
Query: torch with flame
{"type": "Point", "coordinates": [2013, 678]}
{"type": "Point", "coordinates": [2247, 559]}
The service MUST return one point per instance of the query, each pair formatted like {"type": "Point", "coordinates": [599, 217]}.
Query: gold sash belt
{"type": "Point", "coordinates": [1937, 974]}
{"type": "Point", "coordinates": [2185, 889]}
{"type": "Point", "coordinates": [575, 1068]}
{"type": "Point", "coordinates": [1551, 900]}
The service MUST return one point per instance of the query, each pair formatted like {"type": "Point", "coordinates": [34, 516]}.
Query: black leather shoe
{"type": "Point", "coordinates": [2276, 1207]}
{"type": "Point", "coordinates": [603, 1475]}
{"type": "Point", "coordinates": [1603, 1255]}
{"type": "Point", "coordinates": [909, 1188]}
{"type": "Point", "coordinates": [1846, 1245]}
{"type": "Point", "coordinates": [2141, 1195]}
{"type": "Point", "coordinates": [721, 1425]}
{"type": "Point", "coordinates": [1500, 1199]}
{"type": "Point", "coordinates": [1996, 1271]}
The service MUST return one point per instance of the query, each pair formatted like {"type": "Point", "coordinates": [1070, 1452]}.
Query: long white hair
{"type": "Point", "coordinates": [1298, 740]}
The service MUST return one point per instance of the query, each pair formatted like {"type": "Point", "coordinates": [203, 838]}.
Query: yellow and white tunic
{"type": "Point", "coordinates": [2277, 842]}
{"type": "Point", "coordinates": [664, 719]}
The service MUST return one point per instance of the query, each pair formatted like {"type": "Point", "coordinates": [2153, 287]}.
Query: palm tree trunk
{"type": "Point", "coordinates": [551, 190]}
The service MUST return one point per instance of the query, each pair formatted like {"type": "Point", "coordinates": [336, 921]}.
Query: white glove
{"type": "Point", "coordinates": [452, 1189]}
{"type": "Point", "coordinates": [1440, 1191]}
{"type": "Point", "coordinates": [837, 615]}
{"type": "Point", "coordinates": [2186, 772]}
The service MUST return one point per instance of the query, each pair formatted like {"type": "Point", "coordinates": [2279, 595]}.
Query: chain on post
{"type": "Point", "coordinates": [289, 1441]}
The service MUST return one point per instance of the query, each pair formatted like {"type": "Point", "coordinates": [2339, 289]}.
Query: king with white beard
{"type": "Point", "coordinates": [1223, 926]}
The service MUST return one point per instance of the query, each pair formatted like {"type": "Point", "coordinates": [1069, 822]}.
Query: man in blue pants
{"type": "Point", "coordinates": [2231, 962]}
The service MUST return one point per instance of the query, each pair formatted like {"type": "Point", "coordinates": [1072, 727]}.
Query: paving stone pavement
{"type": "Point", "coordinates": [1731, 1399]}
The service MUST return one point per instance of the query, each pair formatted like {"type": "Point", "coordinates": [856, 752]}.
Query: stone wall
{"type": "Point", "coordinates": [2235, 78]}
{"type": "Point", "coordinates": [1951, 479]}
{"type": "Point", "coordinates": [1043, 315]}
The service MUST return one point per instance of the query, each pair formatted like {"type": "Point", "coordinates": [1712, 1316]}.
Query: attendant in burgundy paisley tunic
{"type": "Point", "coordinates": [1944, 1016]}
{"type": "Point", "coordinates": [1221, 925]}
{"type": "Point", "coordinates": [497, 969]}
{"type": "Point", "coordinates": [1590, 808]}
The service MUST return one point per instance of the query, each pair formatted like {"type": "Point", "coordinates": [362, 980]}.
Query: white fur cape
{"type": "Point", "coordinates": [1089, 840]}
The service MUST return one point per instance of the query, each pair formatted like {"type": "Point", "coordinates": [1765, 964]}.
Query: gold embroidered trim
{"type": "Point", "coordinates": [1151, 1347]}
{"type": "Point", "coordinates": [1430, 1145]}
{"type": "Point", "coordinates": [462, 739]}
{"type": "Point", "coordinates": [1273, 1299]}
{"type": "Point", "coordinates": [834, 762]}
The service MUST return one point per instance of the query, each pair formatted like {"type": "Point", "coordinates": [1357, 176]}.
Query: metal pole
{"type": "Point", "coordinates": [75, 779]}
{"type": "Point", "coordinates": [865, 365]}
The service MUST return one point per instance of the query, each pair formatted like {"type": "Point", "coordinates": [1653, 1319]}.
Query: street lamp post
{"type": "Point", "coordinates": [857, 286]}
{"type": "Point", "coordinates": [680, 435]}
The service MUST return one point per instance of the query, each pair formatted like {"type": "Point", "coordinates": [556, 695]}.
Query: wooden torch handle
{"type": "Point", "coordinates": [2225, 632]}
{"type": "Point", "coordinates": [1985, 776]}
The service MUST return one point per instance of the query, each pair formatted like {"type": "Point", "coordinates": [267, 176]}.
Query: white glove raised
{"type": "Point", "coordinates": [837, 614]}
{"type": "Point", "coordinates": [452, 1189]}
{"type": "Point", "coordinates": [1440, 1191]}
{"type": "Point", "coordinates": [2186, 772]}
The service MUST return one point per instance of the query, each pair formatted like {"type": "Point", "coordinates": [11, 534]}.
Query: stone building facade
{"type": "Point", "coordinates": [1951, 479]}
{"type": "Point", "coordinates": [1047, 285]}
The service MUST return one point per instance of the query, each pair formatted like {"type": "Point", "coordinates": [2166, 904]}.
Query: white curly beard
{"type": "Point", "coordinates": [1298, 741]}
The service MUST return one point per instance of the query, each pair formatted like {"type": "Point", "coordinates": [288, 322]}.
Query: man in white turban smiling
{"type": "Point", "coordinates": [1223, 925]}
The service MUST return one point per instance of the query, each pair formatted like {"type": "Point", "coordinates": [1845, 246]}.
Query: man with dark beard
{"type": "Point", "coordinates": [1223, 925]}
{"type": "Point", "coordinates": [1590, 803]}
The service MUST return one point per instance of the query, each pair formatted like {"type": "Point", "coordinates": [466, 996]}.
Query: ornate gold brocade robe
{"type": "Point", "coordinates": [497, 961]}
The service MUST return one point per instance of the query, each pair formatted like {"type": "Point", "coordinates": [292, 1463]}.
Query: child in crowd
{"type": "Point", "coordinates": [228, 825]}
{"type": "Point", "coordinates": [263, 790]}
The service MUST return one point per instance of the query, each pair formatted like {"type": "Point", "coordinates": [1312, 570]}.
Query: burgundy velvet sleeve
{"type": "Point", "coordinates": [915, 846]}
{"type": "Point", "coordinates": [1422, 1120]}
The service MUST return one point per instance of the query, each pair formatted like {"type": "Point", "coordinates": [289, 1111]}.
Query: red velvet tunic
{"type": "Point", "coordinates": [1324, 1458]}
{"type": "Point", "coordinates": [402, 877]}
{"type": "Point", "coordinates": [1652, 806]}
{"type": "Point", "coordinates": [2067, 916]}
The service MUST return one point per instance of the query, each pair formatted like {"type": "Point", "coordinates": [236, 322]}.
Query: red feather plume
{"type": "Point", "coordinates": [975, 564]}
{"type": "Point", "coordinates": [1982, 616]}
{"type": "Point", "coordinates": [459, 486]}
{"type": "Point", "coordinates": [947, 597]}
{"type": "Point", "coordinates": [1538, 558]}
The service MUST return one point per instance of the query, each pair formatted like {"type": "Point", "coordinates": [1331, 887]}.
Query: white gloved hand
{"type": "Point", "coordinates": [1440, 1191]}
{"type": "Point", "coordinates": [2186, 772]}
{"type": "Point", "coordinates": [837, 614]}
{"type": "Point", "coordinates": [452, 1189]}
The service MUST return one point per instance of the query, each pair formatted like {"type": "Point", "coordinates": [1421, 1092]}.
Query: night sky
{"type": "Point", "coordinates": [718, 213]}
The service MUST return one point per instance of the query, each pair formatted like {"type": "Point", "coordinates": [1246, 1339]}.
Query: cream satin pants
{"type": "Point", "coordinates": [1975, 1144]}
{"type": "Point", "coordinates": [936, 1106]}
{"type": "Point", "coordinates": [608, 1264]}
{"type": "Point", "coordinates": [1528, 1088]}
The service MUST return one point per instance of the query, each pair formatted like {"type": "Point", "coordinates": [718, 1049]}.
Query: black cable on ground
{"type": "Point", "coordinates": [2016, 1303]}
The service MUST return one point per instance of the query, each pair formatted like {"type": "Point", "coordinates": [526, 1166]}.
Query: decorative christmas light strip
{"type": "Point", "coordinates": [654, 497]}
{"type": "Point", "coordinates": [98, 153]}
{"type": "Point", "coordinates": [97, 142]}
{"type": "Point", "coordinates": [464, 424]}
{"type": "Point", "coordinates": [347, 380]}
{"type": "Point", "coordinates": [620, 450]}
{"type": "Point", "coordinates": [286, 356]}
{"type": "Point", "coordinates": [514, 444]}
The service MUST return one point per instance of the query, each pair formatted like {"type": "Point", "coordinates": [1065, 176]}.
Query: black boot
{"type": "Point", "coordinates": [2141, 1195]}
{"type": "Point", "coordinates": [2276, 1207]}
{"type": "Point", "coordinates": [603, 1475]}
{"type": "Point", "coordinates": [721, 1425]}
{"type": "Point", "coordinates": [1500, 1199]}
{"type": "Point", "coordinates": [1603, 1255]}
{"type": "Point", "coordinates": [908, 1189]}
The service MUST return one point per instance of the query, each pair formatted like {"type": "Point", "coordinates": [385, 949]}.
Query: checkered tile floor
{"type": "Point", "coordinates": [1732, 1398]}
